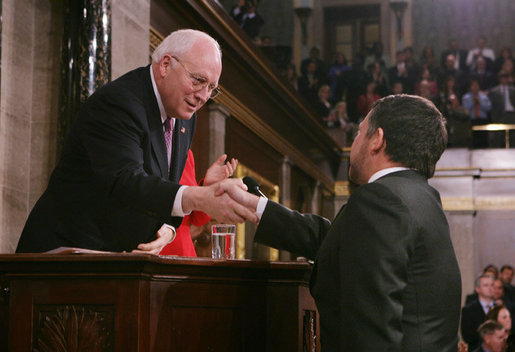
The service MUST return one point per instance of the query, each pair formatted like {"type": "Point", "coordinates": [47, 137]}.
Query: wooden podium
{"type": "Point", "coordinates": [140, 302]}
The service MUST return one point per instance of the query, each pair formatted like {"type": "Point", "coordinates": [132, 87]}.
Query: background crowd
{"type": "Point", "coordinates": [470, 87]}
{"type": "Point", "coordinates": [486, 316]}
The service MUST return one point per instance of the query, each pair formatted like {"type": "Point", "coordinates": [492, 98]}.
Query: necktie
{"type": "Point", "coordinates": [476, 107]}
{"type": "Point", "coordinates": [168, 139]}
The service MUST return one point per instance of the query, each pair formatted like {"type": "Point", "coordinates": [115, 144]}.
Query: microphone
{"type": "Point", "coordinates": [253, 186]}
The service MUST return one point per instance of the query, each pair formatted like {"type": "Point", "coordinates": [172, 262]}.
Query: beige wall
{"type": "Point", "coordinates": [478, 194]}
{"type": "Point", "coordinates": [31, 37]}
{"type": "Point", "coordinates": [29, 108]}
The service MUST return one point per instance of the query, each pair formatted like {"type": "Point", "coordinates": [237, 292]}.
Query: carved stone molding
{"type": "Point", "coordinates": [70, 328]}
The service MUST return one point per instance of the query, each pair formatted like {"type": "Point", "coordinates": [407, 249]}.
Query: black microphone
{"type": "Point", "coordinates": [253, 186]}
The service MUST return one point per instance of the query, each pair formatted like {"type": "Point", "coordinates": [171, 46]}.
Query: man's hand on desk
{"type": "Point", "coordinates": [164, 235]}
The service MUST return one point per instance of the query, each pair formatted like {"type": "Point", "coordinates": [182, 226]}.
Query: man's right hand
{"type": "Point", "coordinates": [217, 201]}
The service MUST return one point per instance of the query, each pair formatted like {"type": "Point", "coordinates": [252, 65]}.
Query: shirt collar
{"type": "Point", "coordinates": [385, 172]}
{"type": "Point", "coordinates": [158, 97]}
{"type": "Point", "coordinates": [486, 306]}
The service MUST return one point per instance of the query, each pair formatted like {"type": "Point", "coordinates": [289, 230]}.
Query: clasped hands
{"type": "Point", "coordinates": [225, 200]}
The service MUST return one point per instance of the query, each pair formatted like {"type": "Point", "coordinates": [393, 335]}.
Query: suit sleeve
{"type": "Point", "coordinates": [373, 263]}
{"type": "Point", "coordinates": [290, 230]}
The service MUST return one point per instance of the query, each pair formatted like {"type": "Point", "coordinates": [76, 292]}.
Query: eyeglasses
{"type": "Point", "coordinates": [200, 82]}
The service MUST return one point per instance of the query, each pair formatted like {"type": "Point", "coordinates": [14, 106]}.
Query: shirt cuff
{"type": "Point", "coordinates": [177, 203]}
{"type": "Point", "coordinates": [173, 230]}
{"type": "Point", "coordinates": [260, 209]}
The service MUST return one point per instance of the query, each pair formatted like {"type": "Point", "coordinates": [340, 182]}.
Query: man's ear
{"type": "Point", "coordinates": [377, 141]}
{"type": "Point", "coordinates": [165, 64]}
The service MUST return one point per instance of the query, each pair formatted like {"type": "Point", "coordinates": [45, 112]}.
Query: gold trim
{"type": "Point", "coordinates": [155, 38]}
{"type": "Point", "coordinates": [479, 203]}
{"type": "Point", "coordinates": [341, 188]}
{"type": "Point", "coordinates": [494, 127]}
{"type": "Point", "coordinates": [458, 204]}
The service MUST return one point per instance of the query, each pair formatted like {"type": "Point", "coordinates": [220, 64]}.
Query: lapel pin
{"type": "Point", "coordinates": [183, 130]}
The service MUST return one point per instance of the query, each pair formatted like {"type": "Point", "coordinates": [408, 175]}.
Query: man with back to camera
{"type": "Point", "coordinates": [385, 276]}
{"type": "Point", "coordinates": [115, 187]}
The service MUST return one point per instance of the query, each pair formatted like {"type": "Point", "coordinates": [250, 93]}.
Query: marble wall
{"type": "Point", "coordinates": [478, 195]}
{"type": "Point", "coordinates": [29, 107]}
{"type": "Point", "coordinates": [31, 40]}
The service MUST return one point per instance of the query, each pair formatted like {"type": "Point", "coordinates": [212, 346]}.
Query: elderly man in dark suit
{"type": "Point", "coordinates": [115, 187]}
{"type": "Point", "coordinates": [385, 276]}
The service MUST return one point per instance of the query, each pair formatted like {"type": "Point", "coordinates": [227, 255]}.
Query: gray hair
{"type": "Point", "coordinates": [489, 327]}
{"type": "Point", "coordinates": [179, 42]}
{"type": "Point", "coordinates": [482, 276]}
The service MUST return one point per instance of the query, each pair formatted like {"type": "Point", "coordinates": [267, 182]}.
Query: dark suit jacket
{"type": "Point", "coordinates": [385, 276]}
{"type": "Point", "coordinates": [472, 315]}
{"type": "Point", "coordinates": [462, 58]}
{"type": "Point", "coordinates": [496, 96]}
{"type": "Point", "coordinates": [111, 190]}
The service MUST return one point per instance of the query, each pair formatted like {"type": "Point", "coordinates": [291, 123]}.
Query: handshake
{"type": "Point", "coordinates": [225, 199]}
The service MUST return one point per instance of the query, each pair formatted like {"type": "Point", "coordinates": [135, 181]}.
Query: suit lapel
{"type": "Point", "coordinates": [157, 138]}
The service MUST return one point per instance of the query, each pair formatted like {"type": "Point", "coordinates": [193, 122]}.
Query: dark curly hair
{"type": "Point", "coordinates": [414, 130]}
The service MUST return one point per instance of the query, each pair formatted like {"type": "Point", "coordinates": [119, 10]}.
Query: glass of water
{"type": "Point", "coordinates": [223, 241]}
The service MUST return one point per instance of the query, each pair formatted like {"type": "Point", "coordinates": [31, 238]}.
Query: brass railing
{"type": "Point", "coordinates": [497, 127]}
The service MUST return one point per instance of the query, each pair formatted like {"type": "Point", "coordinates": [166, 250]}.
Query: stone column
{"type": "Point", "coordinates": [218, 115]}
{"type": "Point", "coordinates": [285, 195]}
{"type": "Point", "coordinates": [31, 40]}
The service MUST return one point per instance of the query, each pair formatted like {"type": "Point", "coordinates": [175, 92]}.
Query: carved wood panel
{"type": "Point", "coordinates": [71, 328]}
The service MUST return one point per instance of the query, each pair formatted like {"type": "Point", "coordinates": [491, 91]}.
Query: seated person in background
{"type": "Point", "coordinates": [449, 69]}
{"type": "Point", "coordinates": [502, 315]}
{"type": "Point", "coordinates": [484, 76]}
{"type": "Point", "coordinates": [491, 270]}
{"type": "Point", "coordinates": [504, 55]}
{"type": "Point", "coordinates": [492, 337]}
{"type": "Point", "coordinates": [397, 88]}
{"type": "Point", "coordinates": [480, 51]}
{"type": "Point", "coordinates": [323, 105]}
{"type": "Point", "coordinates": [460, 55]}
{"type": "Point", "coordinates": [458, 121]}
{"type": "Point", "coordinates": [506, 277]}
{"type": "Point", "coordinates": [339, 125]}
{"type": "Point", "coordinates": [183, 244]}
{"type": "Point", "coordinates": [402, 72]}
{"type": "Point", "coordinates": [251, 21]}
{"type": "Point", "coordinates": [238, 11]}
{"type": "Point", "coordinates": [428, 61]}
{"type": "Point", "coordinates": [378, 55]}
{"type": "Point", "coordinates": [379, 77]}
{"type": "Point", "coordinates": [309, 83]}
{"type": "Point", "coordinates": [473, 314]}
{"type": "Point", "coordinates": [425, 91]}
{"type": "Point", "coordinates": [502, 97]}
{"type": "Point", "coordinates": [314, 56]}
{"type": "Point", "coordinates": [478, 106]}
{"type": "Point", "coordinates": [335, 76]}
{"type": "Point", "coordinates": [509, 68]}
{"type": "Point", "coordinates": [366, 100]}
{"type": "Point", "coordinates": [426, 76]}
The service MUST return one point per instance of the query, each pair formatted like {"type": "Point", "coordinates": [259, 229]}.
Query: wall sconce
{"type": "Point", "coordinates": [303, 9]}
{"type": "Point", "coordinates": [399, 7]}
